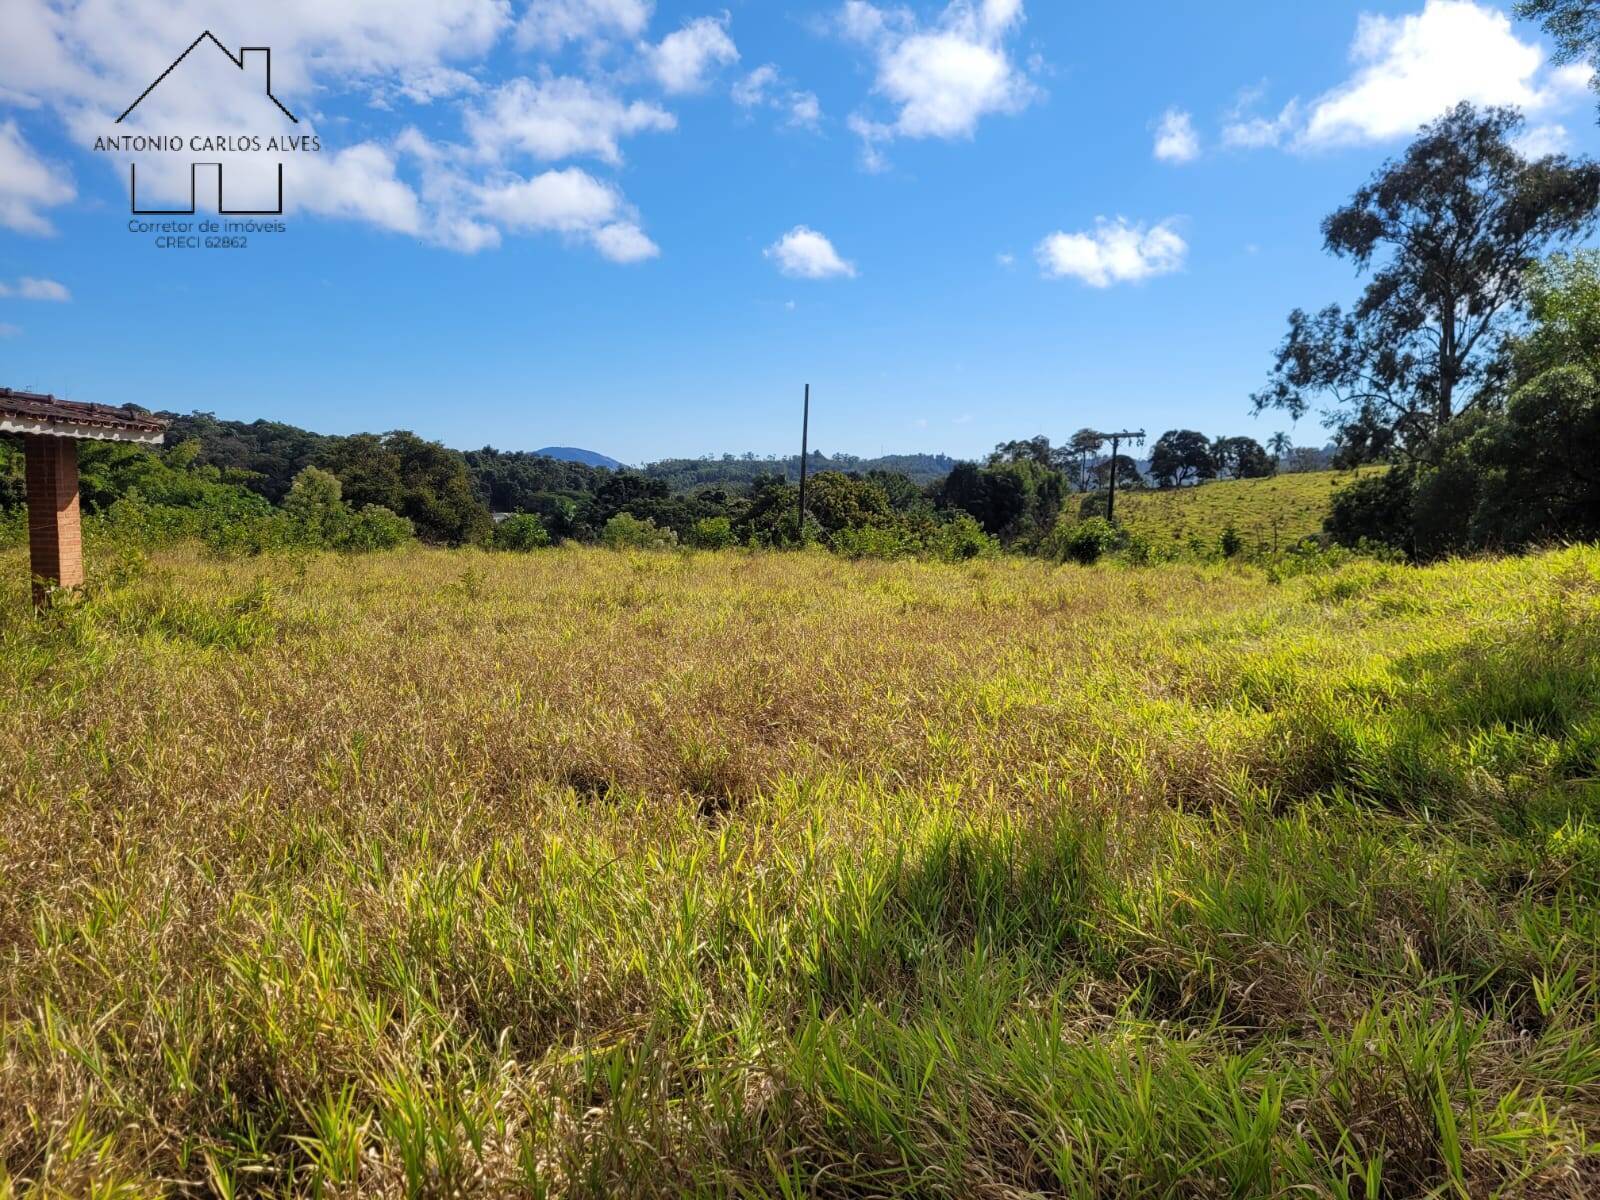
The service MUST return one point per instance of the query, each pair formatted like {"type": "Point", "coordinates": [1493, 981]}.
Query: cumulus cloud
{"type": "Point", "coordinates": [84, 63]}
{"type": "Point", "coordinates": [624, 242]}
{"type": "Point", "coordinates": [559, 118]}
{"type": "Point", "coordinates": [1176, 140]}
{"type": "Point", "coordinates": [764, 88]}
{"type": "Point", "coordinates": [941, 79]}
{"type": "Point", "coordinates": [29, 288]}
{"type": "Point", "coordinates": [683, 61]}
{"type": "Point", "coordinates": [28, 184]}
{"type": "Point", "coordinates": [549, 24]}
{"type": "Point", "coordinates": [357, 183]}
{"type": "Point", "coordinates": [805, 110]}
{"type": "Point", "coordinates": [570, 202]}
{"type": "Point", "coordinates": [1537, 141]}
{"type": "Point", "coordinates": [755, 89]}
{"type": "Point", "coordinates": [1114, 252]}
{"type": "Point", "coordinates": [1410, 69]}
{"type": "Point", "coordinates": [1247, 130]}
{"type": "Point", "coordinates": [803, 253]}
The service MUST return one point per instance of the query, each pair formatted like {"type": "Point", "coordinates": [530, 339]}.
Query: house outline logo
{"type": "Point", "coordinates": [238, 60]}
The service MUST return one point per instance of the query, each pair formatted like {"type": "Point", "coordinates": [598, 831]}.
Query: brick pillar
{"type": "Point", "coordinates": [55, 535]}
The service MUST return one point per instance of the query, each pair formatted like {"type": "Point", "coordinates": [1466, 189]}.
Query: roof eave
{"type": "Point", "coordinates": [41, 427]}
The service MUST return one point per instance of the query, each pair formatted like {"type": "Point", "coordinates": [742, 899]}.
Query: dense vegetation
{"type": "Point", "coordinates": [231, 484]}
{"type": "Point", "coordinates": [447, 873]}
{"type": "Point", "coordinates": [1467, 363]}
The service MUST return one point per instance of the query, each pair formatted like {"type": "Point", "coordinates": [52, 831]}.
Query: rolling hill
{"type": "Point", "coordinates": [1266, 512]}
{"type": "Point", "coordinates": [589, 458]}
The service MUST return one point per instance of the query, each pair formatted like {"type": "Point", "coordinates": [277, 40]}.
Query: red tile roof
{"type": "Point", "coordinates": [34, 406]}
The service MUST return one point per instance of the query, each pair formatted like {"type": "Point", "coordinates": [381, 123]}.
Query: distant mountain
{"type": "Point", "coordinates": [573, 454]}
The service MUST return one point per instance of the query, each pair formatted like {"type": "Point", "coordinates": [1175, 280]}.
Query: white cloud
{"type": "Point", "coordinates": [624, 242]}
{"type": "Point", "coordinates": [1410, 69]}
{"type": "Point", "coordinates": [567, 201]}
{"type": "Point", "coordinates": [1006, 260]}
{"type": "Point", "coordinates": [10, 331]}
{"type": "Point", "coordinates": [424, 85]}
{"type": "Point", "coordinates": [941, 80]}
{"type": "Point", "coordinates": [29, 288]}
{"type": "Point", "coordinates": [805, 110]}
{"type": "Point", "coordinates": [549, 24]}
{"type": "Point", "coordinates": [570, 202]}
{"type": "Point", "coordinates": [1537, 141]}
{"type": "Point", "coordinates": [1115, 252]}
{"type": "Point", "coordinates": [357, 183]}
{"type": "Point", "coordinates": [107, 52]}
{"type": "Point", "coordinates": [83, 63]}
{"type": "Point", "coordinates": [803, 253]}
{"type": "Point", "coordinates": [1176, 140]}
{"type": "Point", "coordinates": [683, 60]}
{"type": "Point", "coordinates": [764, 87]}
{"type": "Point", "coordinates": [559, 118]}
{"type": "Point", "coordinates": [755, 88]}
{"type": "Point", "coordinates": [1245, 130]}
{"type": "Point", "coordinates": [28, 184]}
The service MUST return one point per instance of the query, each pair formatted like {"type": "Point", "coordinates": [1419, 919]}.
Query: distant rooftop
{"type": "Point", "coordinates": [50, 416]}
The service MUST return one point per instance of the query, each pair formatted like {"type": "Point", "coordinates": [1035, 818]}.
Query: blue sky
{"type": "Point", "coordinates": [641, 227]}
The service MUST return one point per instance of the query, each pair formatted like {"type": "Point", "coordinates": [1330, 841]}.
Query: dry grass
{"type": "Point", "coordinates": [581, 873]}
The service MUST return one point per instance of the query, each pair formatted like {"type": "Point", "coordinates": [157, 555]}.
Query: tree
{"type": "Point", "coordinates": [1240, 458]}
{"type": "Point", "coordinates": [1280, 444]}
{"type": "Point", "coordinates": [1180, 457]}
{"type": "Point", "coordinates": [421, 480]}
{"type": "Point", "coordinates": [1036, 449]}
{"type": "Point", "coordinates": [1447, 233]}
{"type": "Point", "coordinates": [1085, 446]}
{"type": "Point", "coordinates": [521, 532]}
{"type": "Point", "coordinates": [1128, 476]}
{"type": "Point", "coordinates": [1010, 500]}
{"type": "Point", "coordinates": [1574, 25]}
{"type": "Point", "coordinates": [315, 504]}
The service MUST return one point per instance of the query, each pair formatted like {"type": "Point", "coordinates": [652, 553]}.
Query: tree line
{"type": "Point", "coordinates": [252, 486]}
{"type": "Point", "coordinates": [1469, 362]}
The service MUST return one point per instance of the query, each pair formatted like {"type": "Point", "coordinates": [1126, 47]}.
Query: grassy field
{"type": "Point", "coordinates": [1268, 514]}
{"type": "Point", "coordinates": [585, 874]}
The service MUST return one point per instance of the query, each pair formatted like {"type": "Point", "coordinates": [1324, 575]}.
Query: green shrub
{"type": "Point", "coordinates": [1230, 542]}
{"type": "Point", "coordinates": [376, 528]}
{"type": "Point", "coordinates": [961, 540]}
{"type": "Point", "coordinates": [713, 533]}
{"type": "Point", "coordinates": [1086, 541]}
{"type": "Point", "coordinates": [627, 532]}
{"type": "Point", "coordinates": [887, 542]}
{"type": "Point", "coordinates": [521, 532]}
{"type": "Point", "coordinates": [1376, 508]}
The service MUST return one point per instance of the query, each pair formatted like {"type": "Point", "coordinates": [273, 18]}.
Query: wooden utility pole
{"type": "Point", "coordinates": [1116, 440]}
{"type": "Point", "coordinates": [805, 450]}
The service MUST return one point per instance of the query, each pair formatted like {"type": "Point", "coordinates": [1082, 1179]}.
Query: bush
{"type": "Point", "coordinates": [1086, 541]}
{"type": "Point", "coordinates": [1230, 542]}
{"type": "Point", "coordinates": [961, 540]}
{"type": "Point", "coordinates": [874, 541]}
{"type": "Point", "coordinates": [521, 532]}
{"type": "Point", "coordinates": [1374, 509]}
{"type": "Point", "coordinates": [376, 528]}
{"type": "Point", "coordinates": [713, 533]}
{"type": "Point", "coordinates": [627, 532]}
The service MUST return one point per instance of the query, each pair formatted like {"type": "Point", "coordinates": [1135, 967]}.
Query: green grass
{"type": "Point", "coordinates": [1269, 514]}
{"type": "Point", "coordinates": [589, 874]}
